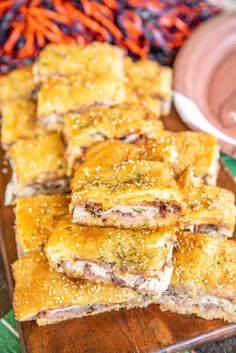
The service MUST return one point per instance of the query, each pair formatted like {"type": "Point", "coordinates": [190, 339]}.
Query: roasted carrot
{"type": "Point", "coordinates": [50, 14]}
{"type": "Point", "coordinates": [89, 23]}
{"type": "Point", "coordinates": [13, 38]}
{"type": "Point", "coordinates": [109, 25]}
{"type": "Point", "coordinates": [35, 3]}
{"type": "Point", "coordinates": [40, 39]}
{"type": "Point", "coordinates": [134, 17]}
{"type": "Point", "coordinates": [132, 46]}
{"type": "Point", "coordinates": [28, 49]}
{"type": "Point", "coordinates": [52, 27]}
{"type": "Point", "coordinates": [140, 27]}
{"type": "Point", "coordinates": [112, 4]}
{"type": "Point", "coordinates": [90, 8]}
{"type": "Point", "coordinates": [59, 7]}
{"type": "Point", "coordinates": [133, 31]}
{"type": "Point", "coordinates": [5, 5]}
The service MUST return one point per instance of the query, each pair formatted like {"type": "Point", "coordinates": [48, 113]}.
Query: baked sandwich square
{"type": "Point", "coordinates": [57, 60]}
{"type": "Point", "coordinates": [18, 83]}
{"type": "Point", "coordinates": [133, 194]}
{"type": "Point", "coordinates": [137, 259]}
{"type": "Point", "coordinates": [182, 149]}
{"type": "Point", "coordinates": [150, 83]}
{"type": "Point", "coordinates": [186, 148]}
{"type": "Point", "coordinates": [127, 122]}
{"type": "Point", "coordinates": [36, 218]}
{"type": "Point", "coordinates": [39, 167]}
{"type": "Point", "coordinates": [77, 93]}
{"type": "Point", "coordinates": [210, 210]}
{"type": "Point", "coordinates": [106, 152]}
{"type": "Point", "coordinates": [49, 297]}
{"type": "Point", "coordinates": [204, 278]}
{"type": "Point", "coordinates": [19, 121]}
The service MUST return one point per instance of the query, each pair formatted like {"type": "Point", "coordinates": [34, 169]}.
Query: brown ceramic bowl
{"type": "Point", "coordinates": [205, 80]}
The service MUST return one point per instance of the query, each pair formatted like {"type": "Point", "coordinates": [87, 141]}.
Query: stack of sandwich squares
{"type": "Point", "coordinates": [111, 210]}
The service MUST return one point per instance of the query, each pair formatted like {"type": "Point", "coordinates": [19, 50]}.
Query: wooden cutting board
{"type": "Point", "coordinates": [125, 331]}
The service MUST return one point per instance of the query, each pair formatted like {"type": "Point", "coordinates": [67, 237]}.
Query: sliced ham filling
{"type": "Point", "coordinates": [205, 305]}
{"type": "Point", "coordinates": [55, 119]}
{"type": "Point", "coordinates": [47, 187]}
{"type": "Point", "coordinates": [211, 229]}
{"type": "Point", "coordinates": [75, 153]}
{"type": "Point", "coordinates": [45, 317]}
{"type": "Point", "coordinates": [104, 272]}
{"type": "Point", "coordinates": [134, 216]}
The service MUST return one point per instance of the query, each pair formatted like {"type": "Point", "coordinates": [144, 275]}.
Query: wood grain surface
{"type": "Point", "coordinates": [125, 331]}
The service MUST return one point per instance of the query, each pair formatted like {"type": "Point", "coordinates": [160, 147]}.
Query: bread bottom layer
{"type": "Point", "coordinates": [207, 306]}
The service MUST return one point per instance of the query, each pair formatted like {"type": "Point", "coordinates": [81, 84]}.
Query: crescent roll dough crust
{"type": "Point", "coordinates": [49, 297]}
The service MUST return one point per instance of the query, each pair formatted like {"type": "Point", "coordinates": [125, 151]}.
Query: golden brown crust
{"type": "Point", "coordinates": [18, 83]}
{"type": "Point", "coordinates": [76, 78]}
{"type": "Point", "coordinates": [38, 159]}
{"type": "Point", "coordinates": [119, 121]}
{"type": "Point", "coordinates": [205, 264]}
{"type": "Point", "coordinates": [141, 252]}
{"type": "Point", "coordinates": [64, 60]}
{"type": "Point", "coordinates": [19, 121]}
{"type": "Point", "coordinates": [104, 153]}
{"type": "Point", "coordinates": [36, 218]}
{"type": "Point", "coordinates": [210, 205]}
{"type": "Point", "coordinates": [206, 208]}
{"type": "Point", "coordinates": [186, 148]}
{"type": "Point", "coordinates": [182, 149]}
{"type": "Point", "coordinates": [58, 96]}
{"type": "Point", "coordinates": [38, 288]}
{"type": "Point", "coordinates": [149, 83]}
{"type": "Point", "coordinates": [129, 183]}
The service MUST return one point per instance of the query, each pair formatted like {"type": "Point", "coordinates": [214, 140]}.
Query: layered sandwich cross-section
{"type": "Point", "coordinates": [48, 297]}
{"type": "Point", "coordinates": [133, 194]}
{"type": "Point", "coordinates": [39, 167]}
{"type": "Point", "coordinates": [204, 278]}
{"type": "Point", "coordinates": [138, 259]}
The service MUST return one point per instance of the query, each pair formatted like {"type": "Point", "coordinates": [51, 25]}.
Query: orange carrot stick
{"type": "Point", "coordinates": [112, 4]}
{"type": "Point", "coordinates": [52, 37]}
{"type": "Point", "coordinates": [109, 24]}
{"type": "Point", "coordinates": [60, 8]}
{"type": "Point", "coordinates": [35, 3]}
{"type": "Point", "coordinates": [28, 49]}
{"type": "Point", "coordinates": [51, 14]}
{"type": "Point", "coordinates": [44, 31]}
{"type": "Point", "coordinates": [40, 39]}
{"type": "Point", "coordinates": [80, 39]}
{"type": "Point", "coordinates": [92, 7]}
{"type": "Point", "coordinates": [130, 27]}
{"type": "Point", "coordinates": [29, 42]}
{"type": "Point", "coordinates": [77, 14]}
{"type": "Point", "coordinates": [5, 5]}
{"type": "Point", "coordinates": [104, 10]}
{"type": "Point", "coordinates": [23, 10]}
{"type": "Point", "coordinates": [33, 23]}
{"type": "Point", "coordinates": [134, 17]}
{"type": "Point", "coordinates": [13, 38]}
{"type": "Point", "coordinates": [132, 46]}
{"type": "Point", "coordinates": [51, 26]}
